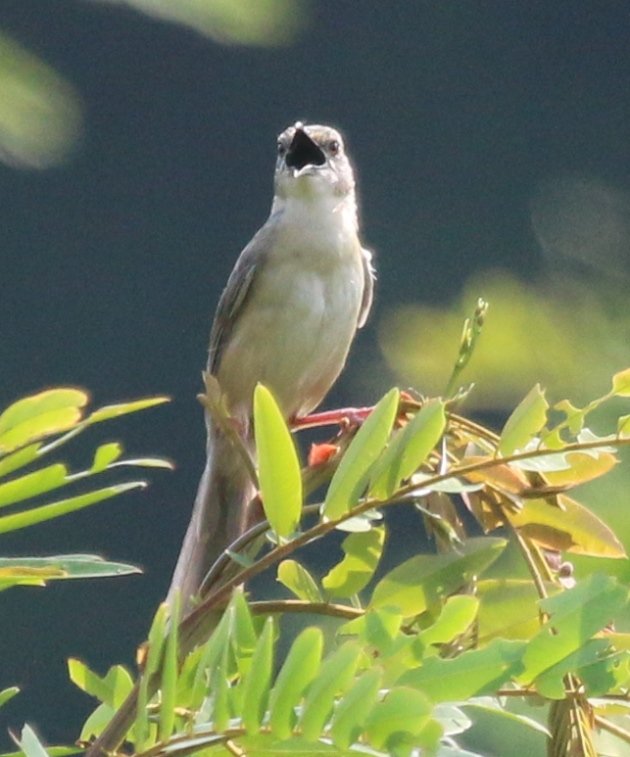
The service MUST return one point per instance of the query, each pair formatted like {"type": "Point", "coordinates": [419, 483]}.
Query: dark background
{"type": "Point", "coordinates": [111, 265]}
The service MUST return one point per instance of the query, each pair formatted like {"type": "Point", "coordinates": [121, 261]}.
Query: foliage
{"type": "Point", "coordinates": [32, 429]}
{"type": "Point", "coordinates": [411, 657]}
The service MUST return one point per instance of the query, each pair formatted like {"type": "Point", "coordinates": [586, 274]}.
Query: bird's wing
{"type": "Point", "coordinates": [369, 275]}
{"type": "Point", "coordinates": [235, 294]}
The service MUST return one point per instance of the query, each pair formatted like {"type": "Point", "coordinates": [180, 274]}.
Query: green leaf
{"type": "Point", "coordinates": [7, 694]}
{"type": "Point", "coordinates": [508, 609]}
{"type": "Point", "coordinates": [527, 419]}
{"type": "Point", "coordinates": [623, 427]}
{"type": "Point", "coordinates": [418, 583]}
{"type": "Point", "coordinates": [30, 744]}
{"type": "Point", "coordinates": [33, 484]}
{"type": "Point", "coordinates": [409, 448]}
{"type": "Point", "coordinates": [19, 459]}
{"type": "Point", "coordinates": [278, 465]}
{"type": "Point", "coordinates": [64, 506]}
{"type": "Point", "coordinates": [473, 673]}
{"type": "Point", "coordinates": [105, 455]}
{"type": "Point", "coordinates": [40, 415]}
{"type": "Point", "coordinates": [115, 411]}
{"type": "Point", "coordinates": [354, 708]}
{"type": "Point", "coordinates": [551, 683]}
{"type": "Point", "coordinates": [570, 527]}
{"type": "Point", "coordinates": [15, 569]}
{"type": "Point", "coordinates": [299, 581]}
{"type": "Point", "coordinates": [299, 669]}
{"type": "Point", "coordinates": [168, 677]}
{"type": "Point", "coordinates": [155, 646]}
{"type": "Point", "coordinates": [244, 638]}
{"type": "Point", "coordinates": [362, 555]}
{"type": "Point", "coordinates": [403, 711]}
{"type": "Point", "coordinates": [257, 683]}
{"type": "Point", "coordinates": [351, 477]}
{"type": "Point", "coordinates": [576, 614]}
{"type": "Point", "coordinates": [456, 617]}
{"type": "Point", "coordinates": [621, 383]}
{"type": "Point", "coordinates": [111, 689]}
{"type": "Point", "coordinates": [334, 678]}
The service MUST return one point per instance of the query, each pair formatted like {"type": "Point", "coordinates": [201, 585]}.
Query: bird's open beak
{"type": "Point", "coordinates": [303, 152]}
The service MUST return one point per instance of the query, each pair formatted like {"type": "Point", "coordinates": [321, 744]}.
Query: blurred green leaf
{"type": "Point", "coordinates": [168, 674]}
{"type": "Point", "coordinates": [299, 669]}
{"type": "Point", "coordinates": [257, 682]}
{"type": "Point", "coordinates": [362, 555]}
{"type": "Point", "coordinates": [40, 113]}
{"type": "Point", "coordinates": [576, 614]}
{"type": "Point", "coordinates": [621, 383]}
{"type": "Point", "coordinates": [18, 459]}
{"type": "Point", "coordinates": [408, 449]}
{"type": "Point", "coordinates": [64, 506]}
{"type": "Point", "coordinates": [111, 689]}
{"type": "Point", "coordinates": [590, 659]}
{"type": "Point", "coordinates": [243, 22]}
{"type": "Point", "coordinates": [109, 412]}
{"type": "Point", "coordinates": [528, 418]}
{"type": "Point", "coordinates": [244, 639]}
{"type": "Point", "coordinates": [473, 673]}
{"type": "Point", "coordinates": [299, 581]}
{"type": "Point", "coordinates": [508, 609]}
{"type": "Point", "coordinates": [458, 614]}
{"type": "Point", "coordinates": [403, 711]}
{"type": "Point", "coordinates": [351, 477]}
{"type": "Point", "coordinates": [333, 679]}
{"type": "Point", "coordinates": [278, 465]}
{"type": "Point", "coordinates": [419, 582]}
{"type": "Point", "coordinates": [352, 711]}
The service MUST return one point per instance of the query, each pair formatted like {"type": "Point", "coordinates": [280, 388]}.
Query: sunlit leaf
{"type": "Point", "coordinates": [409, 448]}
{"type": "Point", "coordinates": [354, 708]}
{"type": "Point", "coordinates": [18, 459]}
{"type": "Point", "coordinates": [527, 419]}
{"type": "Point", "coordinates": [623, 426]}
{"type": "Point", "coordinates": [64, 506]}
{"type": "Point", "coordinates": [108, 412]}
{"type": "Point", "coordinates": [256, 687]}
{"type": "Point", "coordinates": [278, 465]}
{"type": "Point", "coordinates": [111, 689]}
{"type": "Point", "coordinates": [456, 617]}
{"type": "Point", "coordinates": [403, 711]}
{"type": "Point", "coordinates": [621, 383]}
{"type": "Point", "coordinates": [473, 673]}
{"type": "Point", "coordinates": [590, 658]}
{"type": "Point", "coordinates": [299, 669]}
{"type": "Point", "coordinates": [576, 614]}
{"type": "Point", "coordinates": [582, 467]}
{"type": "Point", "coordinates": [105, 455]}
{"type": "Point", "coordinates": [568, 528]}
{"type": "Point", "coordinates": [7, 694]}
{"type": "Point", "coordinates": [417, 583]}
{"type": "Point", "coordinates": [168, 674]}
{"type": "Point", "coordinates": [32, 484]}
{"type": "Point", "coordinates": [352, 475]}
{"type": "Point", "coordinates": [244, 639]}
{"type": "Point", "coordinates": [333, 679]}
{"type": "Point", "coordinates": [299, 581]}
{"type": "Point", "coordinates": [362, 555]}
{"type": "Point", "coordinates": [40, 415]}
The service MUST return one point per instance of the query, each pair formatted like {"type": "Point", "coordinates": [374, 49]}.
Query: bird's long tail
{"type": "Point", "coordinates": [218, 518]}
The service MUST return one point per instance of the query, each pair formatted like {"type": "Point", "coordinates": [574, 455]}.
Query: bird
{"type": "Point", "coordinates": [287, 317]}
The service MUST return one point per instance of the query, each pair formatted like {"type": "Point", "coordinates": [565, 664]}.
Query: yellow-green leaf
{"type": "Point", "coordinates": [408, 449]}
{"type": "Point", "coordinates": [362, 554]}
{"type": "Point", "coordinates": [621, 383]}
{"type": "Point", "coordinates": [299, 581]}
{"type": "Point", "coordinates": [352, 475]}
{"type": "Point", "coordinates": [527, 419]}
{"type": "Point", "coordinates": [32, 484]}
{"type": "Point", "coordinates": [108, 412]}
{"type": "Point", "coordinates": [278, 465]}
{"type": "Point", "coordinates": [106, 454]}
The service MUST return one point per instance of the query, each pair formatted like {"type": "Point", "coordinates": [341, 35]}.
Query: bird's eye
{"type": "Point", "coordinates": [281, 149]}
{"type": "Point", "coordinates": [334, 146]}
